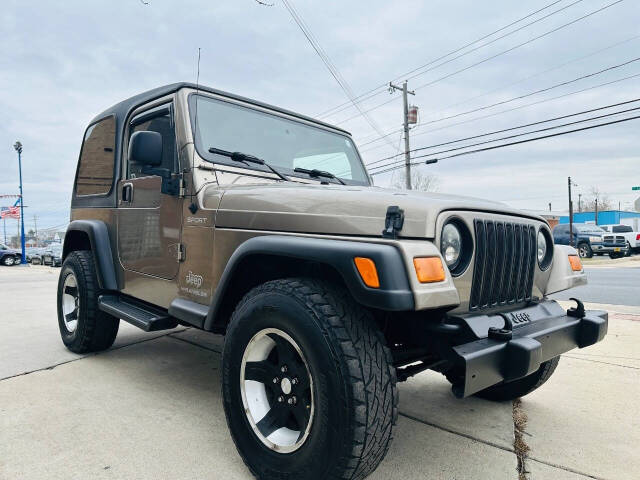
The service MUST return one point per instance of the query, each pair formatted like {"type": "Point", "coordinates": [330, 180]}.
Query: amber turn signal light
{"type": "Point", "coordinates": [368, 272]}
{"type": "Point", "coordinates": [576, 264]}
{"type": "Point", "coordinates": [429, 269]}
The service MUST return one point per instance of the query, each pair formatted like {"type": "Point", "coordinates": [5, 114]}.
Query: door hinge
{"type": "Point", "coordinates": [181, 252]}
{"type": "Point", "coordinates": [182, 189]}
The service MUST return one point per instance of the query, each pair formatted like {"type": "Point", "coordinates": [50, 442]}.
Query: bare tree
{"type": "Point", "coordinates": [589, 201]}
{"type": "Point", "coordinates": [419, 181]}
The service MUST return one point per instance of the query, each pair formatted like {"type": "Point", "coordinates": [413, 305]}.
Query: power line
{"type": "Point", "coordinates": [519, 142]}
{"type": "Point", "coordinates": [546, 129]}
{"type": "Point", "coordinates": [329, 64]}
{"type": "Point", "coordinates": [562, 117]}
{"type": "Point", "coordinates": [635, 37]}
{"type": "Point", "coordinates": [538, 102]}
{"type": "Point", "coordinates": [489, 58]}
{"type": "Point", "coordinates": [431, 62]}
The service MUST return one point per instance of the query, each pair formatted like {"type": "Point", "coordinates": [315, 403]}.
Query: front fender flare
{"type": "Point", "coordinates": [394, 293]}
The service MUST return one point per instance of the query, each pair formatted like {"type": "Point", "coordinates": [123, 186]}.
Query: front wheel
{"type": "Point", "coordinates": [309, 386]}
{"type": "Point", "coordinates": [83, 327]}
{"type": "Point", "coordinates": [8, 260]}
{"type": "Point", "coordinates": [628, 252]}
{"type": "Point", "coordinates": [521, 387]}
{"type": "Point", "coordinates": [584, 250]}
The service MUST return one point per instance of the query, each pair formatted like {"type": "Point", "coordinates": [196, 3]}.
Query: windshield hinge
{"type": "Point", "coordinates": [181, 253]}
{"type": "Point", "coordinates": [393, 222]}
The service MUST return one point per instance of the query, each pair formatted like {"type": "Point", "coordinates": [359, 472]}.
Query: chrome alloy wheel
{"type": "Point", "coordinates": [277, 390]}
{"type": "Point", "coordinates": [70, 303]}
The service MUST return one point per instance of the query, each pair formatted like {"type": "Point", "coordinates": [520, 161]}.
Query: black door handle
{"type": "Point", "coordinates": [127, 193]}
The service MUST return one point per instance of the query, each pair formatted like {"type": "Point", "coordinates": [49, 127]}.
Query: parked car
{"type": "Point", "coordinates": [32, 255]}
{"type": "Point", "coordinates": [631, 236]}
{"type": "Point", "coordinates": [590, 240]}
{"type": "Point", "coordinates": [198, 207]}
{"type": "Point", "coordinates": [52, 256]}
{"type": "Point", "coordinates": [9, 256]}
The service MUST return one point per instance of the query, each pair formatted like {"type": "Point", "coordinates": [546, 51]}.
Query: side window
{"type": "Point", "coordinates": [97, 157]}
{"type": "Point", "coordinates": [157, 120]}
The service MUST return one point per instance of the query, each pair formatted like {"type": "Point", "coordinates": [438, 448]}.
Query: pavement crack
{"type": "Point", "coordinates": [87, 355]}
{"type": "Point", "coordinates": [520, 447]}
{"type": "Point", "coordinates": [453, 432]}
{"type": "Point", "coordinates": [600, 361]}
{"type": "Point", "coordinates": [194, 343]}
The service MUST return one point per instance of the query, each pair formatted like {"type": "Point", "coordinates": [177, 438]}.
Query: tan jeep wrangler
{"type": "Point", "coordinates": [196, 207]}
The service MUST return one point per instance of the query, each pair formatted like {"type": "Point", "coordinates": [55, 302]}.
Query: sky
{"type": "Point", "coordinates": [61, 63]}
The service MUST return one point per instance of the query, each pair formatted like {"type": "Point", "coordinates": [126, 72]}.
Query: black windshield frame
{"type": "Point", "coordinates": [203, 150]}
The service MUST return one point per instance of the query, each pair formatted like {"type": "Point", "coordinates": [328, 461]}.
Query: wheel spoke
{"type": "Point", "coordinates": [274, 419]}
{"type": "Point", "coordinates": [262, 372]}
{"type": "Point", "coordinates": [69, 290]}
{"type": "Point", "coordinates": [72, 316]}
{"type": "Point", "coordinates": [286, 352]}
{"type": "Point", "coordinates": [301, 415]}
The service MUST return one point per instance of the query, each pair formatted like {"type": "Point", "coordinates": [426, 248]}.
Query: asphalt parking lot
{"type": "Point", "coordinates": [150, 408]}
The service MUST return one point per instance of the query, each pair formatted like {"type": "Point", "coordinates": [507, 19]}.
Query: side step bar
{"type": "Point", "coordinates": [144, 317]}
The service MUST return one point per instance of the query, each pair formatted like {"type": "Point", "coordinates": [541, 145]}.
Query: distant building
{"type": "Point", "coordinates": [607, 217]}
{"type": "Point", "coordinates": [552, 218]}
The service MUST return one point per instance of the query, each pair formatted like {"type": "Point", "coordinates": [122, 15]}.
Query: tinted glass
{"type": "Point", "coordinates": [280, 142]}
{"type": "Point", "coordinates": [163, 124]}
{"type": "Point", "coordinates": [95, 169]}
{"type": "Point", "coordinates": [560, 229]}
{"type": "Point", "coordinates": [622, 229]}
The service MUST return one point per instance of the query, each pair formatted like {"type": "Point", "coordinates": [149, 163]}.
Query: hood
{"type": "Point", "coordinates": [337, 209]}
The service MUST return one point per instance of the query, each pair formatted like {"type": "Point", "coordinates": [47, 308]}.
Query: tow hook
{"type": "Point", "coordinates": [577, 311]}
{"type": "Point", "coordinates": [502, 334]}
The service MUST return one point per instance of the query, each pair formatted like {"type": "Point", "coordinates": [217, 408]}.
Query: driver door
{"type": "Point", "coordinates": [149, 207]}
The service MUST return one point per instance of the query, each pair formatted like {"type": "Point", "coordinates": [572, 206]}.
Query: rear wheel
{"type": "Point", "coordinates": [308, 384]}
{"type": "Point", "coordinates": [83, 327]}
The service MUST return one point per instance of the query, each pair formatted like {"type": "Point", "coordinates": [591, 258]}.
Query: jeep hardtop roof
{"type": "Point", "coordinates": [122, 109]}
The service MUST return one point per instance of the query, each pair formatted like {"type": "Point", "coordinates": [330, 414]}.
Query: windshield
{"type": "Point", "coordinates": [282, 143]}
{"type": "Point", "coordinates": [589, 229]}
{"type": "Point", "coordinates": [622, 229]}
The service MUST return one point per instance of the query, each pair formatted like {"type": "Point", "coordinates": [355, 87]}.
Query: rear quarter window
{"type": "Point", "coordinates": [97, 159]}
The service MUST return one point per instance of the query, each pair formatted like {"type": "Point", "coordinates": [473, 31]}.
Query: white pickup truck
{"type": "Point", "coordinates": [632, 237]}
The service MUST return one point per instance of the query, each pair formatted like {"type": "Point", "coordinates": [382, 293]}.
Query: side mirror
{"type": "Point", "coordinates": [145, 148]}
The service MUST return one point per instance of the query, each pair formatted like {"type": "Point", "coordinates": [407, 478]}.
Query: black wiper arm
{"type": "Point", "coordinates": [318, 173]}
{"type": "Point", "coordinates": [244, 157]}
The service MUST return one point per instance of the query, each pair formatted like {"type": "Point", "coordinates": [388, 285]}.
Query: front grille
{"type": "Point", "coordinates": [608, 238]}
{"type": "Point", "coordinates": [620, 239]}
{"type": "Point", "coordinates": [504, 264]}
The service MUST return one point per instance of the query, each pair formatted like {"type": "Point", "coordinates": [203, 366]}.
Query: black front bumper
{"type": "Point", "coordinates": [541, 332]}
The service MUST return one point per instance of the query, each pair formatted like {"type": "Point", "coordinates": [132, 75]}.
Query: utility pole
{"type": "Point", "coordinates": [549, 206]}
{"type": "Point", "coordinates": [407, 154]}
{"type": "Point", "coordinates": [570, 214]}
{"type": "Point", "coordinates": [596, 210]}
{"type": "Point", "coordinates": [18, 147]}
{"type": "Point", "coordinates": [580, 202]}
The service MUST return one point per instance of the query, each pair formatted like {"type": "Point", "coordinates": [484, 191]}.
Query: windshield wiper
{"type": "Point", "coordinates": [244, 157]}
{"type": "Point", "coordinates": [318, 173]}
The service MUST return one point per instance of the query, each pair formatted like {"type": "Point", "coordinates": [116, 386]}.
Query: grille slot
{"type": "Point", "coordinates": [504, 264]}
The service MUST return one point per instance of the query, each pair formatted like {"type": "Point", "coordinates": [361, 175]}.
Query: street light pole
{"type": "Point", "coordinates": [570, 214]}
{"type": "Point", "coordinates": [18, 148]}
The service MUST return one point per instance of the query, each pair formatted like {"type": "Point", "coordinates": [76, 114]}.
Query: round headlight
{"type": "Point", "coordinates": [542, 247]}
{"type": "Point", "coordinates": [451, 245]}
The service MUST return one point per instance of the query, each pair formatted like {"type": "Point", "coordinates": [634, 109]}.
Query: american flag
{"type": "Point", "coordinates": [9, 212]}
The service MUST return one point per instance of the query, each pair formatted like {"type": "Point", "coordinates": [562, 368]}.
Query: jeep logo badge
{"type": "Point", "coordinates": [193, 279]}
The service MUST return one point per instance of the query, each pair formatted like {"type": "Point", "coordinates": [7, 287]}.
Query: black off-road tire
{"type": "Point", "coordinates": [354, 381]}
{"type": "Point", "coordinates": [521, 387]}
{"type": "Point", "coordinates": [584, 250]}
{"type": "Point", "coordinates": [96, 330]}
